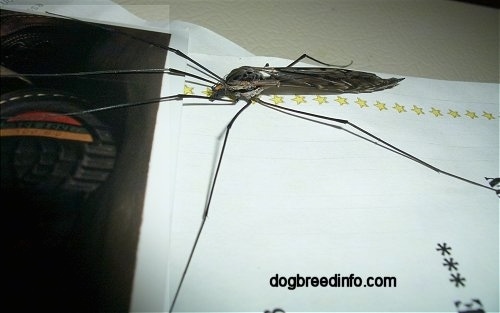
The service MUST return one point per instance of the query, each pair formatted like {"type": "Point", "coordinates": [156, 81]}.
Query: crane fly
{"type": "Point", "coordinates": [246, 84]}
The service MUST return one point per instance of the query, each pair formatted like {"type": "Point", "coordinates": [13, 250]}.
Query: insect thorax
{"type": "Point", "coordinates": [240, 83]}
{"type": "Point", "coordinates": [244, 74]}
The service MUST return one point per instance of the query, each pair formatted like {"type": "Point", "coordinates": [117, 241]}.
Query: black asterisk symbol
{"type": "Point", "coordinates": [443, 248]}
{"type": "Point", "coordinates": [457, 279]}
{"type": "Point", "coordinates": [451, 264]}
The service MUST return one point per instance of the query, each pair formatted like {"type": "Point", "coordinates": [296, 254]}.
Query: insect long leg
{"type": "Point", "coordinates": [171, 71]}
{"type": "Point", "coordinates": [305, 56]}
{"type": "Point", "coordinates": [209, 200]}
{"type": "Point", "coordinates": [178, 52]}
{"type": "Point", "coordinates": [378, 139]}
{"type": "Point", "coordinates": [140, 103]}
{"type": "Point", "coordinates": [135, 104]}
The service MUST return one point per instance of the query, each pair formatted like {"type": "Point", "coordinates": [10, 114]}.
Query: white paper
{"type": "Point", "coordinates": [295, 197]}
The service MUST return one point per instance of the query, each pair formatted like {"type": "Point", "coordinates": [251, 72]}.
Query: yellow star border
{"type": "Point", "coordinates": [298, 99]}
{"type": "Point", "coordinates": [380, 105]}
{"type": "Point", "coordinates": [277, 99]}
{"type": "Point", "coordinates": [341, 100]}
{"type": "Point", "coordinates": [207, 92]}
{"type": "Point", "coordinates": [188, 90]}
{"type": "Point", "coordinates": [418, 110]}
{"type": "Point", "coordinates": [398, 107]}
{"type": "Point", "coordinates": [362, 103]}
{"type": "Point", "coordinates": [472, 115]}
{"type": "Point", "coordinates": [453, 114]}
{"type": "Point", "coordinates": [489, 116]}
{"type": "Point", "coordinates": [320, 99]}
{"type": "Point", "coordinates": [436, 112]}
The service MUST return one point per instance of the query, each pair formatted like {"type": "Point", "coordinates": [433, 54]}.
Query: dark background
{"type": "Point", "coordinates": [71, 251]}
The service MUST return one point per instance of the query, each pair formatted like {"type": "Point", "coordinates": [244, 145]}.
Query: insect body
{"type": "Point", "coordinates": [248, 82]}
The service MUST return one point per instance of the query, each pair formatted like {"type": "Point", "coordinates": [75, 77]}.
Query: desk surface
{"type": "Point", "coordinates": [435, 39]}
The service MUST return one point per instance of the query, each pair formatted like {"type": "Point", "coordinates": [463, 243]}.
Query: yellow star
{"type": "Point", "coordinates": [207, 92]}
{"type": "Point", "coordinates": [417, 110]}
{"type": "Point", "coordinates": [277, 99]}
{"type": "Point", "coordinates": [341, 100]}
{"type": "Point", "coordinates": [299, 99]}
{"type": "Point", "coordinates": [454, 114]}
{"type": "Point", "coordinates": [470, 114]}
{"type": "Point", "coordinates": [380, 105]}
{"type": "Point", "coordinates": [488, 115]}
{"type": "Point", "coordinates": [398, 107]}
{"type": "Point", "coordinates": [436, 112]}
{"type": "Point", "coordinates": [320, 99]}
{"type": "Point", "coordinates": [188, 90]}
{"type": "Point", "coordinates": [361, 103]}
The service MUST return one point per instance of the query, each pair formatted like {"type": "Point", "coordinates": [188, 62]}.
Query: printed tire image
{"type": "Point", "coordinates": [72, 183]}
{"type": "Point", "coordinates": [44, 150]}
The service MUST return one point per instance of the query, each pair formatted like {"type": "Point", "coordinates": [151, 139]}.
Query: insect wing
{"type": "Point", "coordinates": [328, 79]}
